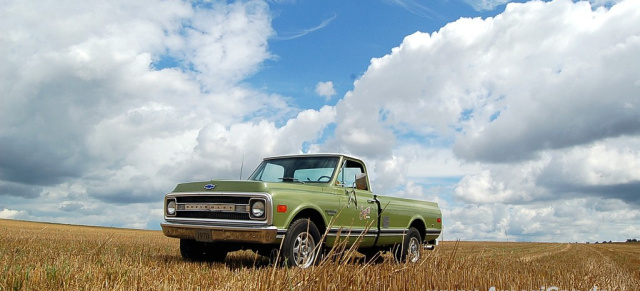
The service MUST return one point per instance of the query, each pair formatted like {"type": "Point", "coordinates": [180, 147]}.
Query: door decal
{"type": "Point", "coordinates": [365, 213]}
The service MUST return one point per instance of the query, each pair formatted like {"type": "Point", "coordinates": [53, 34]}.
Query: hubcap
{"type": "Point", "coordinates": [413, 251]}
{"type": "Point", "coordinates": [303, 250]}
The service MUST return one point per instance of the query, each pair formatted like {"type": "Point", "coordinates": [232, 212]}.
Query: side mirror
{"type": "Point", "coordinates": [361, 181]}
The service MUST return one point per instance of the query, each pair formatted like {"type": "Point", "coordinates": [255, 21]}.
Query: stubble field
{"type": "Point", "coordinates": [40, 256]}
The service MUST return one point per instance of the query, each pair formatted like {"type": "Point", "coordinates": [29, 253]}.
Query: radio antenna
{"type": "Point", "coordinates": [241, 166]}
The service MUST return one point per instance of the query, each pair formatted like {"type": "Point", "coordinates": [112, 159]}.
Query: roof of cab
{"type": "Point", "coordinates": [314, 155]}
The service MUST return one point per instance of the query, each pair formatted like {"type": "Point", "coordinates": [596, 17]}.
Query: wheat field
{"type": "Point", "coordinates": [43, 256]}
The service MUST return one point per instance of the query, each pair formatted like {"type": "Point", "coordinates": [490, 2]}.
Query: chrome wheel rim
{"type": "Point", "coordinates": [304, 250]}
{"type": "Point", "coordinates": [413, 251]}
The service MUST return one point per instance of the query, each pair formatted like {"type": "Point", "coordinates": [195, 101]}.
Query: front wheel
{"type": "Point", "coordinates": [409, 250]}
{"type": "Point", "coordinates": [302, 246]}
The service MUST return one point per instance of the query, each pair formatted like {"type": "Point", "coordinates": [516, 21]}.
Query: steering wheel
{"type": "Point", "coordinates": [323, 177]}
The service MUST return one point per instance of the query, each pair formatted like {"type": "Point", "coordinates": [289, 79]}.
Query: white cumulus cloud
{"type": "Point", "coordinates": [112, 103]}
{"type": "Point", "coordinates": [325, 89]}
{"type": "Point", "coordinates": [13, 214]}
{"type": "Point", "coordinates": [538, 103]}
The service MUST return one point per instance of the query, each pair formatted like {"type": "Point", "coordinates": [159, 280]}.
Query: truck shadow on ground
{"type": "Point", "coordinates": [250, 260]}
{"type": "Point", "coordinates": [233, 261]}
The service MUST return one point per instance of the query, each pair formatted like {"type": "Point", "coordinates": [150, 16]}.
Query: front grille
{"type": "Point", "coordinates": [213, 215]}
{"type": "Point", "coordinates": [232, 207]}
{"type": "Point", "coordinates": [213, 199]}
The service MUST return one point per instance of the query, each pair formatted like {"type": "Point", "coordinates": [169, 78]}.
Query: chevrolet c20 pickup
{"type": "Point", "coordinates": [297, 207]}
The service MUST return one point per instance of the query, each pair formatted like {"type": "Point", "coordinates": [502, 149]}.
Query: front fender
{"type": "Point", "coordinates": [302, 211]}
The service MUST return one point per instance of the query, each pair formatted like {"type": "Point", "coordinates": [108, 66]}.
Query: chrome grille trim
{"type": "Point", "coordinates": [218, 208]}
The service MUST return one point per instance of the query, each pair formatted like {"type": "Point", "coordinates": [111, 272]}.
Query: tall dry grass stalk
{"type": "Point", "coordinates": [39, 256]}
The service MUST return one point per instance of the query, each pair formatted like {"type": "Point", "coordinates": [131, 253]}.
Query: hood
{"type": "Point", "coordinates": [221, 186]}
{"type": "Point", "coordinates": [214, 186]}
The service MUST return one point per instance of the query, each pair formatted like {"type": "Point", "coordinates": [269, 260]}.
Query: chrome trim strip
{"type": "Point", "coordinates": [216, 222]}
{"type": "Point", "coordinates": [391, 234]}
{"type": "Point", "coordinates": [343, 235]}
{"type": "Point", "coordinates": [433, 231]}
{"type": "Point", "coordinates": [268, 205]}
{"type": "Point", "coordinates": [371, 230]}
{"type": "Point", "coordinates": [370, 233]}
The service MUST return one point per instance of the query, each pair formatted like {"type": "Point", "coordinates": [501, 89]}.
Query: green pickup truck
{"type": "Point", "coordinates": [297, 206]}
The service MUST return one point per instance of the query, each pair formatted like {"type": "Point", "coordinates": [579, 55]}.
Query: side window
{"type": "Point", "coordinates": [347, 175]}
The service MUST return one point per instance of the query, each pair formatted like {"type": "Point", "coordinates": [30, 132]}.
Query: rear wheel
{"type": "Point", "coordinates": [409, 250]}
{"type": "Point", "coordinates": [301, 246]}
{"type": "Point", "coordinates": [196, 251]}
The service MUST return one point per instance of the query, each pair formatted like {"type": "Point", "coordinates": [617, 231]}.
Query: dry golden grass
{"type": "Point", "coordinates": [39, 256]}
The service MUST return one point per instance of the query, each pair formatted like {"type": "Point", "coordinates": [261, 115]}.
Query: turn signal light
{"type": "Point", "coordinates": [282, 208]}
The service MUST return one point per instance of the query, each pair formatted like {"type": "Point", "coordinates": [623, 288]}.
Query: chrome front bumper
{"type": "Point", "coordinates": [209, 233]}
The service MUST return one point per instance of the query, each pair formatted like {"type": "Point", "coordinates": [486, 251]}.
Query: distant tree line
{"type": "Point", "coordinates": [629, 240]}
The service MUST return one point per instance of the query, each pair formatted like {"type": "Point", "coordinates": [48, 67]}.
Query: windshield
{"type": "Point", "coordinates": [296, 169]}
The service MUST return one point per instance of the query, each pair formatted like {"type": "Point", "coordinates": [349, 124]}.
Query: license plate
{"type": "Point", "coordinates": [203, 235]}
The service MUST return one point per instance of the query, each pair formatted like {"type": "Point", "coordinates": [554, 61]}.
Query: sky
{"type": "Point", "coordinates": [521, 119]}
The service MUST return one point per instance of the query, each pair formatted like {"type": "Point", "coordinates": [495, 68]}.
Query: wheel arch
{"type": "Point", "coordinates": [419, 224]}
{"type": "Point", "coordinates": [314, 215]}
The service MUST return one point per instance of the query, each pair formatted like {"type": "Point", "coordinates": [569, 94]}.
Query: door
{"type": "Point", "coordinates": [358, 215]}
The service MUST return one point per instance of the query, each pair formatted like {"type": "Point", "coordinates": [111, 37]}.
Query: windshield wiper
{"type": "Point", "coordinates": [290, 179]}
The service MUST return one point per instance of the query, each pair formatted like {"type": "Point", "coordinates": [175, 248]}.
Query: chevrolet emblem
{"type": "Point", "coordinates": [209, 186]}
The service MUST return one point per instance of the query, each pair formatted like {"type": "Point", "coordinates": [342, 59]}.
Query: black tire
{"type": "Point", "coordinates": [302, 246]}
{"type": "Point", "coordinates": [409, 250]}
{"type": "Point", "coordinates": [196, 251]}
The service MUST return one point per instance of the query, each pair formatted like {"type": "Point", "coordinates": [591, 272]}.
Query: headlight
{"type": "Point", "coordinates": [171, 207]}
{"type": "Point", "coordinates": [257, 208]}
